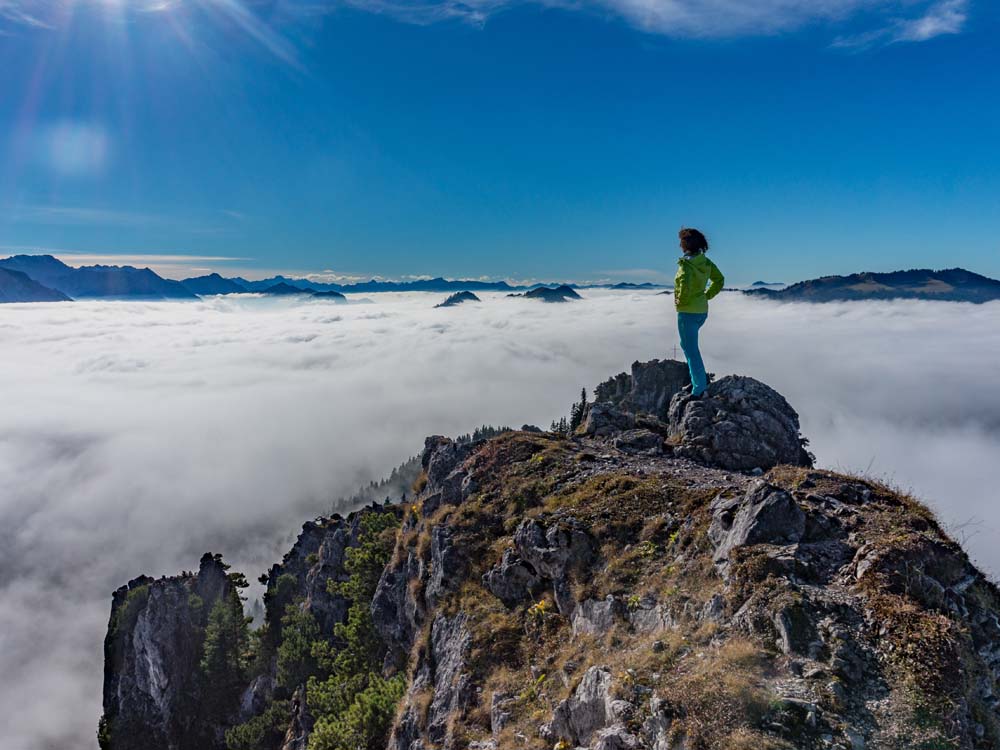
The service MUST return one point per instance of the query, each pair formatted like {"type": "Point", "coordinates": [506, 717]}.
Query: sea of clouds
{"type": "Point", "coordinates": [135, 436]}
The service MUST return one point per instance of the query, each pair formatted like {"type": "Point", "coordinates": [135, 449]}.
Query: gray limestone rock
{"type": "Point", "coordinates": [647, 389]}
{"type": "Point", "coordinates": [450, 640]}
{"type": "Point", "coordinates": [765, 515]}
{"type": "Point", "coordinates": [446, 564]}
{"type": "Point", "coordinates": [605, 419]}
{"type": "Point", "coordinates": [738, 424]}
{"type": "Point", "coordinates": [639, 441]}
{"type": "Point", "coordinates": [512, 580]}
{"type": "Point", "coordinates": [596, 617]}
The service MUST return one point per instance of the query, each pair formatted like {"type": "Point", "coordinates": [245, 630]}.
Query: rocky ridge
{"type": "Point", "coordinates": [673, 576]}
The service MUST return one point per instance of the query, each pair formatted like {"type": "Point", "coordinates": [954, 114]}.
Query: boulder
{"type": "Point", "coordinates": [650, 617]}
{"type": "Point", "coordinates": [714, 609]}
{"type": "Point", "coordinates": [764, 515]}
{"type": "Point", "coordinates": [796, 631]}
{"type": "Point", "coordinates": [552, 550]}
{"type": "Point", "coordinates": [512, 580]}
{"type": "Point", "coordinates": [639, 441]}
{"type": "Point", "coordinates": [616, 737]}
{"type": "Point", "coordinates": [605, 419]}
{"type": "Point", "coordinates": [739, 424]}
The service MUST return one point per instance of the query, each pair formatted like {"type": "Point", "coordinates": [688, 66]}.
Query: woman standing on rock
{"type": "Point", "coordinates": [694, 271]}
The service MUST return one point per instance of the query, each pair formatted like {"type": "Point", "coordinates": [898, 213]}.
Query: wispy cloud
{"type": "Point", "coordinates": [938, 19]}
{"type": "Point", "coordinates": [168, 265]}
{"type": "Point", "coordinates": [63, 215]}
{"type": "Point", "coordinates": [123, 259]}
{"type": "Point", "coordinates": [79, 215]}
{"type": "Point", "coordinates": [22, 13]}
{"type": "Point", "coordinates": [232, 14]}
{"type": "Point", "coordinates": [947, 17]}
{"type": "Point", "coordinates": [858, 22]}
{"type": "Point", "coordinates": [895, 20]}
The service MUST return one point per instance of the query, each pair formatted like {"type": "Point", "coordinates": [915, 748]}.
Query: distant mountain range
{"type": "Point", "coordinates": [952, 285]}
{"type": "Point", "coordinates": [16, 286]}
{"type": "Point", "coordinates": [53, 277]}
{"type": "Point", "coordinates": [96, 281]}
{"type": "Point", "coordinates": [43, 278]}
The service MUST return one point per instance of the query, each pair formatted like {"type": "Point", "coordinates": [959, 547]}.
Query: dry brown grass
{"type": "Point", "coordinates": [419, 483]}
{"type": "Point", "coordinates": [720, 693]}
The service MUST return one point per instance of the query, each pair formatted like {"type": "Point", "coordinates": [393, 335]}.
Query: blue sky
{"type": "Point", "coordinates": [524, 140]}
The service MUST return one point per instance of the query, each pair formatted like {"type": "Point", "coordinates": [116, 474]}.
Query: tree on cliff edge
{"type": "Point", "coordinates": [223, 664]}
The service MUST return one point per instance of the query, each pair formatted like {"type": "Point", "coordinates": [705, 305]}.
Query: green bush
{"type": "Point", "coordinates": [296, 663]}
{"type": "Point", "coordinates": [262, 732]}
{"type": "Point", "coordinates": [363, 723]}
{"type": "Point", "coordinates": [104, 734]}
{"type": "Point", "coordinates": [354, 705]}
{"type": "Point", "coordinates": [128, 612]}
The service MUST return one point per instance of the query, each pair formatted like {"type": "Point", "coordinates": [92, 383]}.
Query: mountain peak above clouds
{"type": "Point", "coordinates": [673, 570]}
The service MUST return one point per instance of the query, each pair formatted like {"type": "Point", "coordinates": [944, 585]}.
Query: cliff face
{"type": "Point", "coordinates": [674, 575]}
{"type": "Point", "coordinates": [152, 691]}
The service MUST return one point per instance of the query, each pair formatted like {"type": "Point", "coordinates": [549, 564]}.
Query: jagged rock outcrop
{"type": "Point", "coordinates": [647, 389]}
{"type": "Point", "coordinates": [541, 555]}
{"type": "Point", "coordinates": [592, 592]}
{"type": "Point", "coordinates": [765, 515]}
{"type": "Point", "coordinates": [152, 691]}
{"type": "Point", "coordinates": [154, 685]}
{"type": "Point", "coordinates": [739, 423]}
{"type": "Point", "coordinates": [590, 711]}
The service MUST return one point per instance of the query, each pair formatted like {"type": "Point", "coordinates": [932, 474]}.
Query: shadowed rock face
{"type": "Point", "coordinates": [647, 389]}
{"type": "Point", "coordinates": [16, 286]}
{"type": "Point", "coordinates": [592, 592]}
{"type": "Point", "coordinates": [152, 652]}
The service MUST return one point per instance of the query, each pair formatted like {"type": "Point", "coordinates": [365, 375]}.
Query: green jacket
{"type": "Point", "coordinates": [693, 275]}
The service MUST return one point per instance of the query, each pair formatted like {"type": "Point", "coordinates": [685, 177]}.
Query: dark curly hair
{"type": "Point", "coordinates": [692, 241]}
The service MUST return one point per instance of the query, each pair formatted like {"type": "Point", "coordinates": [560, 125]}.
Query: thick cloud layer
{"type": "Point", "coordinates": [135, 436]}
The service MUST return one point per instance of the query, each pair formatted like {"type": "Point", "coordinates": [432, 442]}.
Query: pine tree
{"type": "Point", "coordinates": [578, 412]}
{"type": "Point", "coordinates": [223, 662]}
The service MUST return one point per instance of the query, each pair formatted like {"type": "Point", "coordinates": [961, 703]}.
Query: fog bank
{"type": "Point", "coordinates": [135, 436]}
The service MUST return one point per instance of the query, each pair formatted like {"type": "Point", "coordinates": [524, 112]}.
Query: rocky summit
{"type": "Point", "coordinates": [670, 574]}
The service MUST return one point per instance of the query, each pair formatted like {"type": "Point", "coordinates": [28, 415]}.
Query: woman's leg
{"type": "Point", "coordinates": [687, 326]}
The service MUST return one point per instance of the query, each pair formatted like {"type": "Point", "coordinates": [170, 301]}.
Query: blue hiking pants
{"type": "Point", "coordinates": [687, 326]}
